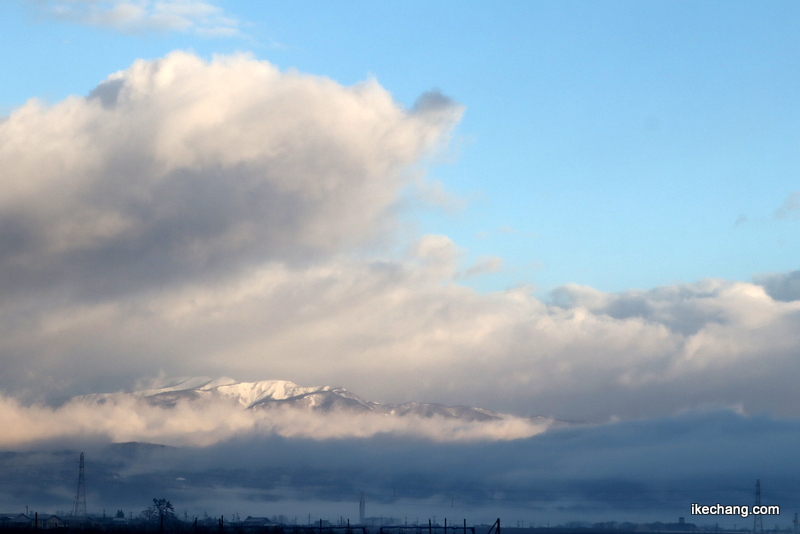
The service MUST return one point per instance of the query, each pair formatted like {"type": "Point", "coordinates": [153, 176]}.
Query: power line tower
{"type": "Point", "coordinates": [758, 526]}
{"type": "Point", "coordinates": [361, 508]}
{"type": "Point", "coordinates": [80, 498]}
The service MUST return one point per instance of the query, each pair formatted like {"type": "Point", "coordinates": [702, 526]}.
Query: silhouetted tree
{"type": "Point", "coordinates": [161, 508]}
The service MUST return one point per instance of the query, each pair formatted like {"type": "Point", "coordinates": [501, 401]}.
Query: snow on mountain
{"type": "Point", "coordinates": [201, 411]}
{"type": "Point", "coordinates": [244, 394]}
{"type": "Point", "coordinates": [274, 393]}
{"type": "Point", "coordinates": [251, 393]}
{"type": "Point", "coordinates": [268, 394]}
{"type": "Point", "coordinates": [186, 384]}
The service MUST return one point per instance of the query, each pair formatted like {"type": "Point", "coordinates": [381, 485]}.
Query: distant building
{"type": "Point", "coordinates": [51, 521]}
{"type": "Point", "coordinates": [43, 522]}
{"type": "Point", "coordinates": [256, 522]}
{"type": "Point", "coordinates": [11, 519]}
{"type": "Point", "coordinates": [381, 521]}
{"type": "Point", "coordinates": [20, 521]}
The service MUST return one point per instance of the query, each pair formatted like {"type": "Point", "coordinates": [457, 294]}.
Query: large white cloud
{"type": "Point", "coordinates": [178, 168]}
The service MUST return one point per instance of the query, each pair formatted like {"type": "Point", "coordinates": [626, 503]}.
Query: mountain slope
{"type": "Point", "coordinates": [268, 394]}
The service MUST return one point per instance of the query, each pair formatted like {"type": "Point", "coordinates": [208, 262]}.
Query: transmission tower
{"type": "Point", "coordinates": [80, 498]}
{"type": "Point", "coordinates": [758, 526]}
{"type": "Point", "coordinates": [361, 508]}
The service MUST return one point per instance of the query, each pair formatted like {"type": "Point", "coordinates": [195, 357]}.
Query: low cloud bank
{"type": "Point", "coordinates": [634, 470]}
{"type": "Point", "coordinates": [122, 418]}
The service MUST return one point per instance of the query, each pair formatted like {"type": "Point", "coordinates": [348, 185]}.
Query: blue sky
{"type": "Point", "coordinates": [617, 144]}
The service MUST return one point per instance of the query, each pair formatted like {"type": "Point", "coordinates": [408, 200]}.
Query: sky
{"type": "Point", "coordinates": [582, 210]}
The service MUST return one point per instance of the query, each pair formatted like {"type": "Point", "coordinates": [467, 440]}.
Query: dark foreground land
{"type": "Point", "coordinates": [180, 527]}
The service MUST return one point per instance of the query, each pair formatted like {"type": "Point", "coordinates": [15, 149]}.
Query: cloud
{"type": "Point", "coordinates": [789, 206]}
{"type": "Point", "coordinates": [137, 16]}
{"type": "Point", "coordinates": [400, 330]}
{"type": "Point", "coordinates": [121, 418]}
{"type": "Point", "coordinates": [178, 169]}
{"type": "Point", "coordinates": [784, 287]}
{"type": "Point", "coordinates": [483, 265]}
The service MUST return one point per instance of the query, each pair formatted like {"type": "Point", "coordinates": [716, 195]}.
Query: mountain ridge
{"type": "Point", "coordinates": [269, 394]}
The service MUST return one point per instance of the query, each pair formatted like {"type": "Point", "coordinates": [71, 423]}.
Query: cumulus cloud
{"type": "Point", "coordinates": [180, 168]}
{"type": "Point", "coordinates": [136, 16]}
{"type": "Point", "coordinates": [781, 286]}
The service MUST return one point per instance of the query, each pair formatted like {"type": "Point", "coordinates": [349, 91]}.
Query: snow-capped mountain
{"type": "Point", "coordinates": [201, 411]}
{"type": "Point", "coordinates": [267, 394]}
